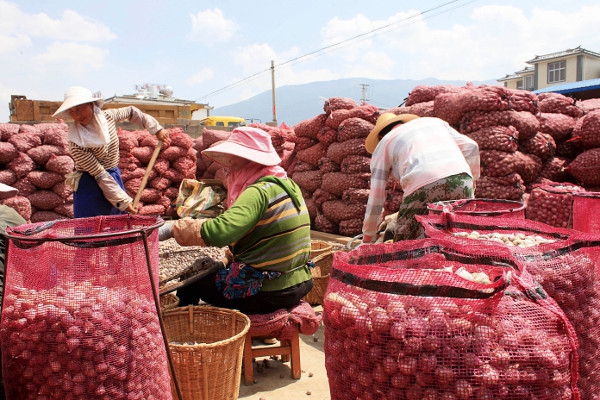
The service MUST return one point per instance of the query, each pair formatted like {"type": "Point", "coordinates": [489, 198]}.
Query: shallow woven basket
{"type": "Point", "coordinates": [168, 301]}
{"type": "Point", "coordinates": [318, 247]}
{"type": "Point", "coordinates": [206, 345]}
{"type": "Point", "coordinates": [320, 274]}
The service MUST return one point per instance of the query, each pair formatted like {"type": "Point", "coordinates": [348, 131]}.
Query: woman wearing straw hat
{"type": "Point", "coordinates": [266, 226]}
{"type": "Point", "coordinates": [94, 146]}
{"type": "Point", "coordinates": [431, 160]}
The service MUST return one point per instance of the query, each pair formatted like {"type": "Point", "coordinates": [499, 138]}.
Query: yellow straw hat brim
{"type": "Point", "coordinates": [383, 121]}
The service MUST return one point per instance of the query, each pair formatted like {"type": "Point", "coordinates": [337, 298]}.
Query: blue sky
{"type": "Point", "coordinates": [220, 52]}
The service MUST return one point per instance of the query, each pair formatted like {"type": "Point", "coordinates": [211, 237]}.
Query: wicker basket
{"type": "Point", "coordinates": [206, 345]}
{"type": "Point", "coordinates": [319, 247]}
{"type": "Point", "coordinates": [320, 274]}
{"type": "Point", "coordinates": [168, 301]}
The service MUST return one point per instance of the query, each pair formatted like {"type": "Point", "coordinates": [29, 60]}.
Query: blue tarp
{"type": "Point", "coordinates": [572, 87]}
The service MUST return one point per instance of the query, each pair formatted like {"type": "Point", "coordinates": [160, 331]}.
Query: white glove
{"type": "Point", "coordinates": [165, 232]}
{"type": "Point", "coordinates": [388, 221]}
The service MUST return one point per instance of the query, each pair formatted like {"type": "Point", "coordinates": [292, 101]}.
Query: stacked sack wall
{"type": "Point", "coordinates": [331, 165]}
{"type": "Point", "coordinates": [526, 140]}
{"type": "Point", "coordinates": [36, 158]}
{"type": "Point", "coordinates": [176, 161]}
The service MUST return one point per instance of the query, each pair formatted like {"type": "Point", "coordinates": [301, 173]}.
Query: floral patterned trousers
{"type": "Point", "coordinates": [454, 187]}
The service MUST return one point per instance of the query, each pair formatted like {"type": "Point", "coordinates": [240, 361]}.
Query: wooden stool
{"type": "Point", "coordinates": [288, 349]}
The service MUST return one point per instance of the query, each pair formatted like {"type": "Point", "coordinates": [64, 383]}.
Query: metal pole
{"type": "Point", "coordinates": [273, 92]}
{"type": "Point", "coordinates": [364, 91]}
{"type": "Point", "coordinates": [160, 318]}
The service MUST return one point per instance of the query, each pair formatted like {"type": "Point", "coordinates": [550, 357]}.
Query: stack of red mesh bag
{"type": "Point", "coordinates": [36, 158]}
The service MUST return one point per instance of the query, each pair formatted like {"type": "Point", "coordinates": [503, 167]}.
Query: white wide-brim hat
{"type": "Point", "coordinates": [250, 143]}
{"type": "Point", "coordinates": [7, 191]}
{"type": "Point", "coordinates": [74, 96]}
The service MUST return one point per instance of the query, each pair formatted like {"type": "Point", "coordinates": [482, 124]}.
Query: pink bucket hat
{"type": "Point", "coordinates": [253, 144]}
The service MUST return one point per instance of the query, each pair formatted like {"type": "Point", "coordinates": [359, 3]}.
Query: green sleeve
{"type": "Point", "coordinates": [238, 220]}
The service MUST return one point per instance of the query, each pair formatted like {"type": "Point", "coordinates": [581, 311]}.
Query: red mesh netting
{"type": "Point", "coordinates": [402, 321]}
{"type": "Point", "coordinates": [265, 324]}
{"type": "Point", "coordinates": [552, 204]}
{"type": "Point", "coordinates": [585, 215]}
{"type": "Point", "coordinates": [570, 274]}
{"type": "Point", "coordinates": [513, 232]}
{"type": "Point", "coordinates": [480, 207]}
{"type": "Point", "coordinates": [79, 318]}
{"type": "Point", "coordinates": [567, 268]}
{"type": "Point", "coordinates": [282, 323]}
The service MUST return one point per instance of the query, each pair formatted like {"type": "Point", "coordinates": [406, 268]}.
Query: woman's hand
{"type": "Point", "coordinates": [131, 210]}
{"type": "Point", "coordinates": [163, 135]}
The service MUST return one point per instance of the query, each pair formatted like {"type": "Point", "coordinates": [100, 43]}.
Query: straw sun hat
{"type": "Point", "coordinates": [250, 143]}
{"type": "Point", "coordinates": [384, 120]}
{"type": "Point", "coordinates": [75, 96]}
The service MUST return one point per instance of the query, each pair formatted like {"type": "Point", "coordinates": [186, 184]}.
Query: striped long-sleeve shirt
{"type": "Point", "coordinates": [417, 153]}
{"type": "Point", "coordinates": [96, 160]}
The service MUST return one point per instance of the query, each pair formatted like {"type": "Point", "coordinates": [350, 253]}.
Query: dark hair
{"type": "Point", "coordinates": [388, 128]}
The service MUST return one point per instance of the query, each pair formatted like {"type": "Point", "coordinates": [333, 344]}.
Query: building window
{"type": "Point", "coordinates": [520, 84]}
{"type": "Point", "coordinates": [529, 82]}
{"type": "Point", "coordinates": [557, 71]}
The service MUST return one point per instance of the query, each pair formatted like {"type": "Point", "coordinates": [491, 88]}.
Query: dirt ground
{"type": "Point", "coordinates": [276, 383]}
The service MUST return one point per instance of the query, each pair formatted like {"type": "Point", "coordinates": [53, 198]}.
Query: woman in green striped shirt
{"type": "Point", "coordinates": [266, 226]}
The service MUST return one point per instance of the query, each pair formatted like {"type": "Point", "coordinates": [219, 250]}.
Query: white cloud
{"type": "Point", "coordinates": [201, 76]}
{"type": "Point", "coordinates": [493, 41]}
{"type": "Point", "coordinates": [374, 65]}
{"type": "Point", "coordinates": [11, 15]}
{"type": "Point", "coordinates": [70, 58]}
{"type": "Point", "coordinates": [337, 30]}
{"type": "Point", "coordinates": [20, 31]}
{"type": "Point", "coordinates": [14, 43]}
{"type": "Point", "coordinates": [211, 26]}
{"type": "Point", "coordinates": [72, 26]}
{"type": "Point", "coordinates": [339, 37]}
{"type": "Point", "coordinates": [256, 69]}
{"type": "Point", "coordinates": [254, 58]}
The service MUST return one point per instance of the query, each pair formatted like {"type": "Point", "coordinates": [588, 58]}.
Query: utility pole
{"type": "Point", "coordinates": [273, 93]}
{"type": "Point", "coordinates": [364, 92]}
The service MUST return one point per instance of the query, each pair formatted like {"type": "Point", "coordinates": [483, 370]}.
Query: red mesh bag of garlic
{"type": "Point", "coordinates": [437, 319]}
{"type": "Point", "coordinates": [563, 261]}
{"type": "Point", "coordinates": [79, 319]}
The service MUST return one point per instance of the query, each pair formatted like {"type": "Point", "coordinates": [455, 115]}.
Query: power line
{"type": "Point", "coordinates": [345, 41]}
{"type": "Point", "coordinates": [253, 76]}
{"type": "Point", "coordinates": [368, 33]}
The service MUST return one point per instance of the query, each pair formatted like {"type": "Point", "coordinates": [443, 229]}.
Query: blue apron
{"type": "Point", "coordinates": [89, 201]}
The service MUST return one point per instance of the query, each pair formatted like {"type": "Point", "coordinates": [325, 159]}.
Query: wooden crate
{"type": "Point", "coordinates": [24, 110]}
